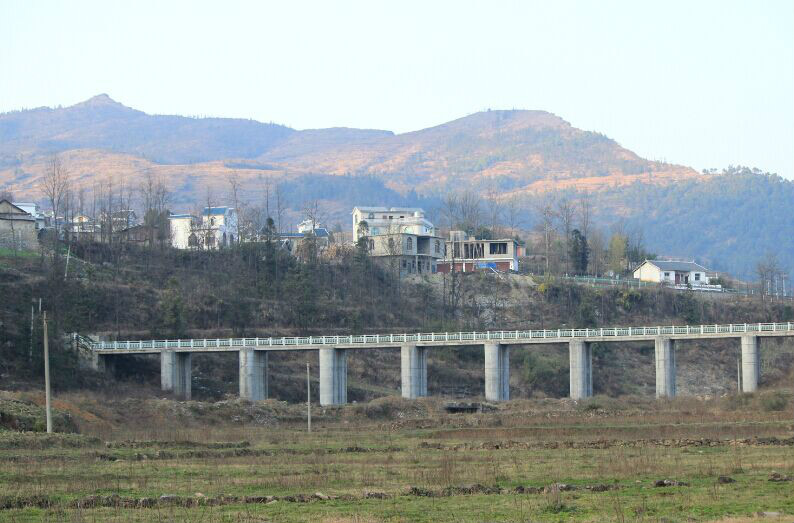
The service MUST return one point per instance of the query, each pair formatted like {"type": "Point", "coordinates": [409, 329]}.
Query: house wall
{"type": "Point", "coordinates": [648, 272]}
{"type": "Point", "coordinates": [17, 228]}
{"type": "Point", "coordinates": [18, 234]}
{"type": "Point", "coordinates": [445, 267]}
{"type": "Point", "coordinates": [180, 232]}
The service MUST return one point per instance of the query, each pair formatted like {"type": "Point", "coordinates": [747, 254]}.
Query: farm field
{"type": "Point", "coordinates": [390, 460]}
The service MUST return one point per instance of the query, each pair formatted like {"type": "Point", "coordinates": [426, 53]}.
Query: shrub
{"type": "Point", "coordinates": [774, 402]}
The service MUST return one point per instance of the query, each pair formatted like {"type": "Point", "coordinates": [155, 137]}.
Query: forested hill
{"type": "Point", "coordinates": [727, 221]}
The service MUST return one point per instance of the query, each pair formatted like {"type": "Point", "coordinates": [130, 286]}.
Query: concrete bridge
{"type": "Point", "coordinates": [175, 355]}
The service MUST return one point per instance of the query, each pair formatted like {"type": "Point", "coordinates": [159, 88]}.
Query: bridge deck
{"type": "Point", "coordinates": [372, 341]}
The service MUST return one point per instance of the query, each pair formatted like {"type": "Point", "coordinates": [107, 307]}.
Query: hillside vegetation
{"type": "Point", "coordinates": [517, 158]}
{"type": "Point", "coordinates": [255, 290]}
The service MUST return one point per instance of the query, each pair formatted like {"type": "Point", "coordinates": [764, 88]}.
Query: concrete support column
{"type": "Point", "coordinates": [175, 372]}
{"type": "Point", "coordinates": [99, 362]}
{"type": "Point", "coordinates": [665, 367]}
{"type": "Point", "coordinates": [751, 363]}
{"type": "Point", "coordinates": [581, 369]}
{"type": "Point", "coordinates": [253, 374]}
{"type": "Point", "coordinates": [333, 376]}
{"type": "Point", "coordinates": [413, 371]}
{"type": "Point", "coordinates": [497, 372]}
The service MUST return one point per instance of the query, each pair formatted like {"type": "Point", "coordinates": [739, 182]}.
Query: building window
{"type": "Point", "coordinates": [372, 245]}
{"type": "Point", "coordinates": [667, 275]}
{"type": "Point", "coordinates": [697, 276]}
{"type": "Point", "coordinates": [438, 246]}
{"type": "Point", "coordinates": [410, 243]}
{"type": "Point", "coordinates": [497, 248]}
{"type": "Point", "coordinates": [405, 264]}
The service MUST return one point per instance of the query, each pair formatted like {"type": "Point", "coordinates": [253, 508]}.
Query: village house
{"type": "Point", "coordinates": [34, 210]}
{"type": "Point", "coordinates": [400, 237]}
{"type": "Point", "coordinates": [291, 241]}
{"type": "Point", "coordinates": [17, 227]}
{"type": "Point", "coordinates": [216, 228]}
{"type": "Point", "coordinates": [672, 272]}
{"type": "Point", "coordinates": [468, 254]}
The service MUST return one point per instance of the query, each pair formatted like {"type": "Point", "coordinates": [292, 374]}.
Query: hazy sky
{"type": "Point", "coordinates": [700, 83]}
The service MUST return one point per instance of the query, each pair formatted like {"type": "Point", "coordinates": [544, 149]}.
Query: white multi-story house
{"type": "Point", "coordinates": [400, 236]}
{"type": "Point", "coordinates": [216, 228]}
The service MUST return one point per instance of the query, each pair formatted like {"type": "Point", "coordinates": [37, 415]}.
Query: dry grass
{"type": "Point", "coordinates": [351, 454]}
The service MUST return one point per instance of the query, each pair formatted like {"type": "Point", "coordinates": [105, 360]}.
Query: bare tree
{"type": "Point", "coordinates": [495, 211]}
{"type": "Point", "coordinates": [546, 228]}
{"type": "Point", "coordinates": [768, 270]}
{"type": "Point", "coordinates": [565, 214]}
{"type": "Point", "coordinates": [585, 214]}
{"type": "Point", "coordinates": [513, 214]}
{"type": "Point", "coordinates": [462, 210]}
{"type": "Point", "coordinates": [56, 184]}
{"type": "Point", "coordinates": [279, 202]}
{"type": "Point", "coordinates": [312, 211]}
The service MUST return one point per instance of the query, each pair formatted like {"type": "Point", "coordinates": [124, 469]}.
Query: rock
{"type": "Point", "coordinates": [725, 479]}
{"type": "Point", "coordinates": [375, 495]}
{"type": "Point", "coordinates": [146, 502]}
{"type": "Point", "coordinates": [769, 514]}
{"type": "Point", "coordinates": [321, 496]}
{"type": "Point", "coordinates": [776, 476]}
{"type": "Point", "coordinates": [670, 483]}
{"type": "Point", "coordinates": [527, 490]}
{"type": "Point", "coordinates": [168, 499]}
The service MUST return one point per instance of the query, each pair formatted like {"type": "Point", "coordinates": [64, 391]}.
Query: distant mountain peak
{"type": "Point", "coordinates": [100, 100]}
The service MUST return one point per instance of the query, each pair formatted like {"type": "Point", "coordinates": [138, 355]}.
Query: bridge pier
{"type": "Point", "coordinates": [665, 367]}
{"type": "Point", "coordinates": [413, 371]}
{"type": "Point", "coordinates": [175, 372]}
{"type": "Point", "coordinates": [253, 374]}
{"type": "Point", "coordinates": [333, 376]}
{"type": "Point", "coordinates": [497, 372]}
{"type": "Point", "coordinates": [98, 362]}
{"type": "Point", "coordinates": [581, 369]}
{"type": "Point", "coordinates": [751, 363]}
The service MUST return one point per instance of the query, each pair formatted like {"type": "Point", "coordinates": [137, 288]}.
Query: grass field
{"type": "Point", "coordinates": [391, 460]}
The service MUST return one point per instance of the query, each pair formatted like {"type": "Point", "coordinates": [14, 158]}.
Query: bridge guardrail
{"type": "Point", "coordinates": [376, 339]}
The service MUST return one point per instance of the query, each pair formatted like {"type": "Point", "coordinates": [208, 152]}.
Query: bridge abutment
{"type": "Point", "coordinates": [175, 373]}
{"type": "Point", "coordinates": [497, 372]}
{"type": "Point", "coordinates": [665, 367]}
{"type": "Point", "coordinates": [751, 363]}
{"type": "Point", "coordinates": [253, 374]}
{"type": "Point", "coordinates": [413, 371]}
{"type": "Point", "coordinates": [581, 369]}
{"type": "Point", "coordinates": [333, 376]}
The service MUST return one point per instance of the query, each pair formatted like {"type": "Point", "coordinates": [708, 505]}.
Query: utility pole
{"type": "Point", "coordinates": [68, 255]}
{"type": "Point", "coordinates": [47, 375]}
{"type": "Point", "coordinates": [32, 315]}
{"type": "Point", "coordinates": [308, 398]}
